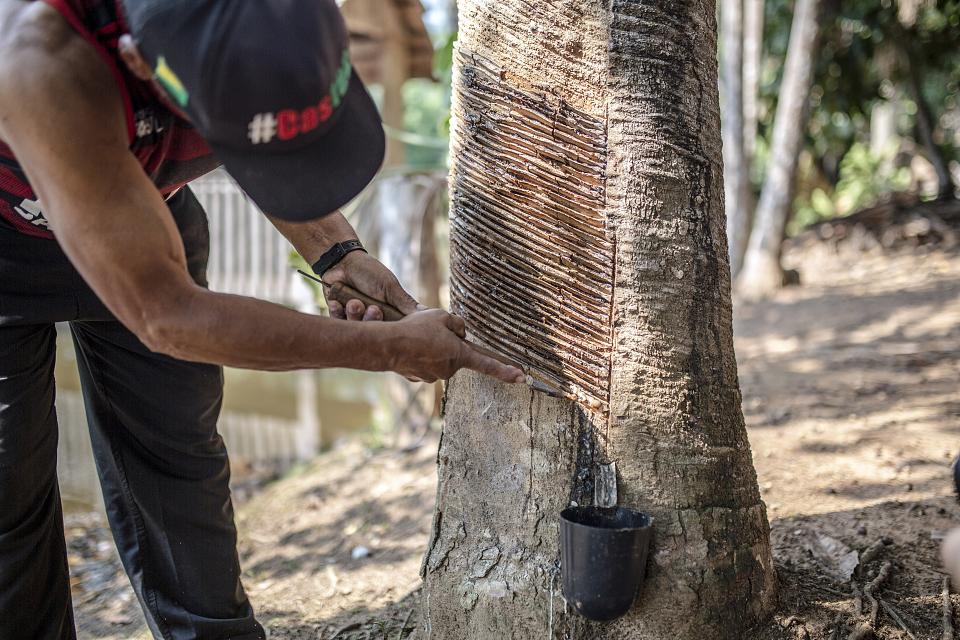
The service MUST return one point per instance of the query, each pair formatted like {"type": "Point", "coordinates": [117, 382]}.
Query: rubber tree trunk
{"type": "Point", "coordinates": [572, 116]}
{"type": "Point", "coordinates": [762, 273]}
{"type": "Point", "coordinates": [736, 176]}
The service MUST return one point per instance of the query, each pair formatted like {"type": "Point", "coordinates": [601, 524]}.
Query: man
{"type": "Point", "coordinates": [106, 112]}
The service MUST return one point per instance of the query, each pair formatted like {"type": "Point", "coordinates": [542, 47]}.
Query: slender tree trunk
{"type": "Point", "coordinates": [753, 19]}
{"type": "Point", "coordinates": [452, 23]}
{"type": "Point", "coordinates": [736, 177]}
{"type": "Point", "coordinates": [762, 273]}
{"type": "Point", "coordinates": [908, 71]}
{"type": "Point", "coordinates": [925, 127]}
{"type": "Point", "coordinates": [588, 239]}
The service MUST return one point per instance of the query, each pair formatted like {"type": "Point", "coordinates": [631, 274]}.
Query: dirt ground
{"type": "Point", "coordinates": [852, 398]}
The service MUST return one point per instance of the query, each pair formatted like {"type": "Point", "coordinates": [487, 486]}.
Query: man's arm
{"type": "Point", "coordinates": [61, 112]}
{"type": "Point", "coordinates": [357, 269]}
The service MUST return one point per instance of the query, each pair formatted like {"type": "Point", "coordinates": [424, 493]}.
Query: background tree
{"type": "Point", "coordinates": [645, 73]}
{"type": "Point", "coordinates": [736, 168]}
{"type": "Point", "coordinates": [762, 273]}
{"type": "Point", "coordinates": [753, 22]}
{"type": "Point", "coordinates": [884, 108]}
{"type": "Point", "coordinates": [902, 55]}
{"type": "Point", "coordinates": [912, 62]}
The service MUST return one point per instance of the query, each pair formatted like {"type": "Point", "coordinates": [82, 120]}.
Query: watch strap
{"type": "Point", "coordinates": [335, 254]}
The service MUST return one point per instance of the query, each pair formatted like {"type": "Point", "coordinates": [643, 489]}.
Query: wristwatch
{"type": "Point", "coordinates": [335, 254]}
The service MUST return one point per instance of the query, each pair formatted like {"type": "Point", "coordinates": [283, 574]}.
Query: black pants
{"type": "Point", "coordinates": [163, 467]}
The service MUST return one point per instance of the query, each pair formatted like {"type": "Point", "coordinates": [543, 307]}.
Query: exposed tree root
{"type": "Point", "coordinates": [863, 631]}
{"type": "Point", "coordinates": [347, 627]}
{"type": "Point", "coordinates": [403, 627]}
{"type": "Point", "coordinates": [947, 611]}
{"type": "Point", "coordinates": [837, 627]}
{"type": "Point", "coordinates": [870, 554]}
{"type": "Point", "coordinates": [857, 599]}
{"type": "Point", "coordinates": [863, 626]}
{"type": "Point", "coordinates": [892, 612]}
{"type": "Point", "coordinates": [885, 570]}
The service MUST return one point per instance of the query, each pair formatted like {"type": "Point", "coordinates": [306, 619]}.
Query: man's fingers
{"type": "Point", "coordinates": [484, 364]}
{"type": "Point", "coordinates": [457, 325]}
{"type": "Point", "coordinates": [355, 310]}
{"type": "Point", "coordinates": [336, 310]}
{"type": "Point", "coordinates": [399, 298]}
{"type": "Point", "coordinates": [373, 312]}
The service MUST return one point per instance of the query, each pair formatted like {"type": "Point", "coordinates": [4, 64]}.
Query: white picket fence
{"type": "Point", "coordinates": [248, 256]}
{"type": "Point", "coordinates": [253, 438]}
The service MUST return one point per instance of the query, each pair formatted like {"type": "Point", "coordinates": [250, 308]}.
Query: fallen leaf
{"type": "Point", "coordinates": [836, 559]}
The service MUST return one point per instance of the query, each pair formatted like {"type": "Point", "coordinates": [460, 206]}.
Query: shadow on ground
{"type": "Point", "coordinates": [817, 606]}
{"type": "Point", "coordinates": [852, 403]}
{"type": "Point", "coordinates": [393, 621]}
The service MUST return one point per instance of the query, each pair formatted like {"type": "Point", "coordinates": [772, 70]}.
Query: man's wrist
{"type": "Point", "coordinates": [381, 345]}
{"type": "Point", "coordinates": [332, 256]}
{"type": "Point", "coordinates": [311, 239]}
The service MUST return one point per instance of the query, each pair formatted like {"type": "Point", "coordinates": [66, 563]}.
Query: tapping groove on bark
{"type": "Point", "coordinates": [583, 484]}
{"type": "Point", "coordinates": [532, 269]}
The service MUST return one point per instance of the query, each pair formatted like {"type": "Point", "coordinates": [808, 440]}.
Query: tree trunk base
{"type": "Point", "coordinates": [492, 572]}
{"type": "Point", "coordinates": [761, 277]}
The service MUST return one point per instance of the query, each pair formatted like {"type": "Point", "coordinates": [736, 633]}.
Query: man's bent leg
{"type": "Point", "coordinates": [34, 583]}
{"type": "Point", "coordinates": [164, 473]}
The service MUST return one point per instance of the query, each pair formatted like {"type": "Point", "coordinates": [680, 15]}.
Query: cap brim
{"type": "Point", "coordinates": [316, 180]}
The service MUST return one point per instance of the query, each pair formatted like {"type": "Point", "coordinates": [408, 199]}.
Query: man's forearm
{"type": "Point", "coordinates": [248, 333]}
{"type": "Point", "coordinates": [311, 239]}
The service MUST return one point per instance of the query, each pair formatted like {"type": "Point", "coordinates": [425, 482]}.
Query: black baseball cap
{"type": "Point", "coordinates": [269, 85]}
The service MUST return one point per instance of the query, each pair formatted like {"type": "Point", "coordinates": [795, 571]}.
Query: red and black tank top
{"type": "Point", "coordinates": [170, 150]}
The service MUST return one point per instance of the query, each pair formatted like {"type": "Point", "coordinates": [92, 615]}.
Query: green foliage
{"type": "Point", "coordinates": [443, 58]}
{"type": "Point", "coordinates": [865, 56]}
{"type": "Point", "coordinates": [864, 179]}
{"type": "Point", "coordinates": [427, 116]}
{"type": "Point", "coordinates": [427, 112]}
{"type": "Point", "coordinates": [868, 53]}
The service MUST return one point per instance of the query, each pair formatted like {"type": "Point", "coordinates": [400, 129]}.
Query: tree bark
{"type": "Point", "coordinates": [736, 177]}
{"type": "Point", "coordinates": [762, 273]}
{"type": "Point", "coordinates": [587, 218]}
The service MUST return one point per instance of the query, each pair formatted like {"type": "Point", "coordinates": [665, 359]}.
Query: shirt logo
{"type": "Point", "coordinates": [290, 123]}
{"type": "Point", "coordinates": [169, 80]}
{"type": "Point", "coordinates": [29, 210]}
{"type": "Point", "coordinates": [147, 123]}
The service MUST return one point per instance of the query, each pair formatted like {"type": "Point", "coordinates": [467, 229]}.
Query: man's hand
{"type": "Point", "coordinates": [366, 274]}
{"type": "Point", "coordinates": [431, 343]}
{"type": "Point", "coordinates": [359, 270]}
{"type": "Point", "coordinates": [429, 346]}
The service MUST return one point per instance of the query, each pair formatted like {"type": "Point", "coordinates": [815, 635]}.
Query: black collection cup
{"type": "Point", "coordinates": [603, 558]}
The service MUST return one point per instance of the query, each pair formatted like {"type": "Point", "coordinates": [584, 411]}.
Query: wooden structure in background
{"type": "Point", "coordinates": [389, 44]}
